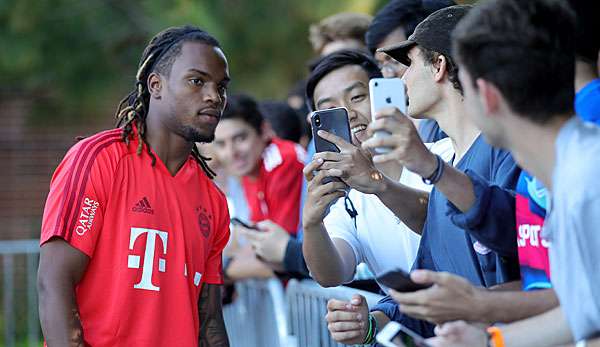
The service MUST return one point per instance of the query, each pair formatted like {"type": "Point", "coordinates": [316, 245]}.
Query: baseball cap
{"type": "Point", "coordinates": [433, 33]}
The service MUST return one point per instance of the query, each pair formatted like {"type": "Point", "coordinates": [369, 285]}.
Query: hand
{"type": "Point", "coordinates": [245, 265]}
{"type": "Point", "coordinates": [458, 334]}
{"type": "Point", "coordinates": [450, 298]}
{"type": "Point", "coordinates": [318, 195]}
{"type": "Point", "coordinates": [353, 164]}
{"type": "Point", "coordinates": [270, 242]}
{"type": "Point", "coordinates": [348, 322]}
{"type": "Point", "coordinates": [405, 143]}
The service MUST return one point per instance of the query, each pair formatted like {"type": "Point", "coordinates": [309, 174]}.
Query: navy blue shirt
{"type": "Point", "coordinates": [458, 249]}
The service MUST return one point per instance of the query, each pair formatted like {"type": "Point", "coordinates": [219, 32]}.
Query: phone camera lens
{"type": "Point", "coordinates": [376, 84]}
{"type": "Point", "coordinates": [318, 121]}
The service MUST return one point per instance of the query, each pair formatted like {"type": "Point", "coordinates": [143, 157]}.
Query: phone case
{"type": "Point", "coordinates": [334, 121]}
{"type": "Point", "coordinates": [387, 92]}
{"type": "Point", "coordinates": [400, 281]}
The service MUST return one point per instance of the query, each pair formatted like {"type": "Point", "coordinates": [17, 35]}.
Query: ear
{"type": "Point", "coordinates": [155, 85]}
{"type": "Point", "coordinates": [441, 66]}
{"type": "Point", "coordinates": [489, 96]}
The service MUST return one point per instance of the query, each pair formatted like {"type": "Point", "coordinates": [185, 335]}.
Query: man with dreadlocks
{"type": "Point", "coordinates": [133, 227]}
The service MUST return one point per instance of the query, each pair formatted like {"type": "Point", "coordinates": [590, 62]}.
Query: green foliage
{"type": "Point", "coordinates": [80, 57]}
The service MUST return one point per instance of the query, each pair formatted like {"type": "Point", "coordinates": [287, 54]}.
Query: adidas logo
{"type": "Point", "coordinates": [143, 206]}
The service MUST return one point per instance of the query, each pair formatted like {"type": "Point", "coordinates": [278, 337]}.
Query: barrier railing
{"type": "Point", "coordinates": [308, 306]}
{"type": "Point", "coordinates": [263, 314]}
{"type": "Point", "coordinates": [257, 317]}
{"type": "Point", "coordinates": [13, 255]}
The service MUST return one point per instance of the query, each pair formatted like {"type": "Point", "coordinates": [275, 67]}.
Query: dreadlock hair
{"type": "Point", "coordinates": [158, 56]}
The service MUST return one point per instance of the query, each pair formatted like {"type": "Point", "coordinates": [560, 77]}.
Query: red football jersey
{"type": "Point", "coordinates": [153, 239]}
{"type": "Point", "coordinates": [275, 193]}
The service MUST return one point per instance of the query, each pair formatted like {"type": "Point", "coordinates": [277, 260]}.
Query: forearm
{"type": "Point", "coordinates": [408, 204]}
{"type": "Point", "coordinates": [323, 259]}
{"type": "Point", "coordinates": [210, 312]}
{"type": "Point", "coordinates": [507, 286]}
{"type": "Point", "coordinates": [293, 259]}
{"type": "Point", "coordinates": [59, 316]}
{"type": "Point", "coordinates": [457, 188]}
{"type": "Point", "coordinates": [545, 330]}
{"type": "Point", "coordinates": [510, 306]}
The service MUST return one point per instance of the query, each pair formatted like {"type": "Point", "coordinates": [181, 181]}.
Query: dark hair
{"type": "Point", "coordinates": [283, 119]}
{"type": "Point", "coordinates": [587, 27]}
{"type": "Point", "coordinates": [245, 108]}
{"type": "Point", "coordinates": [431, 58]}
{"type": "Point", "coordinates": [405, 14]}
{"type": "Point", "coordinates": [158, 56]}
{"type": "Point", "coordinates": [335, 61]}
{"type": "Point", "coordinates": [526, 49]}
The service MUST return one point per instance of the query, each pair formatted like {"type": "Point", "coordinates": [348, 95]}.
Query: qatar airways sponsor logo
{"type": "Point", "coordinates": [530, 234]}
{"type": "Point", "coordinates": [86, 216]}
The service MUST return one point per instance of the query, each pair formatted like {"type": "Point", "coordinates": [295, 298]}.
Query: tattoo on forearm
{"type": "Point", "coordinates": [212, 326]}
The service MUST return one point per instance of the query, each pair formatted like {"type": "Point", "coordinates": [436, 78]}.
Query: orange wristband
{"type": "Point", "coordinates": [496, 336]}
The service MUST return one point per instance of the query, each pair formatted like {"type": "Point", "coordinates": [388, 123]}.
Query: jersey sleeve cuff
{"type": "Point", "coordinates": [85, 250]}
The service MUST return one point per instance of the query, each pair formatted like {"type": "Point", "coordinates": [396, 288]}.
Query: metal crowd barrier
{"type": "Point", "coordinates": [20, 254]}
{"type": "Point", "coordinates": [308, 306]}
{"type": "Point", "coordinates": [263, 314]}
{"type": "Point", "coordinates": [257, 317]}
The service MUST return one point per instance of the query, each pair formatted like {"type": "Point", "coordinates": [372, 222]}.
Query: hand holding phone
{"type": "Point", "coordinates": [400, 281]}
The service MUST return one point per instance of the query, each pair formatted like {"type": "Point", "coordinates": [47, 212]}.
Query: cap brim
{"type": "Point", "coordinates": [399, 51]}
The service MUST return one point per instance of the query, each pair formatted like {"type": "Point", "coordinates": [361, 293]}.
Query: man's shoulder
{"type": "Point", "coordinates": [281, 154]}
{"type": "Point", "coordinates": [104, 143]}
{"type": "Point", "coordinates": [579, 149]}
{"type": "Point", "coordinates": [105, 148]}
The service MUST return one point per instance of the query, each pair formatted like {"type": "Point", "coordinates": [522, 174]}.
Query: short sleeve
{"type": "Point", "coordinates": [213, 273]}
{"type": "Point", "coordinates": [75, 206]}
{"type": "Point", "coordinates": [339, 224]}
{"type": "Point", "coordinates": [284, 192]}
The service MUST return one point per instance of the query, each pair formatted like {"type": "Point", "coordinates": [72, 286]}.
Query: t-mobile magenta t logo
{"type": "Point", "coordinates": [133, 261]}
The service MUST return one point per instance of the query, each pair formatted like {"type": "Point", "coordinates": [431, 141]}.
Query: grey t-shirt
{"type": "Point", "coordinates": [573, 226]}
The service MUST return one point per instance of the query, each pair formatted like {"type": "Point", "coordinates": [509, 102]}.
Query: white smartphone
{"type": "Point", "coordinates": [395, 334]}
{"type": "Point", "coordinates": [386, 92]}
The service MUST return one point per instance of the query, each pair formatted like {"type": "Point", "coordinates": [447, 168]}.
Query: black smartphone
{"type": "Point", "coordinates": [334, 121]}
{"type": "Point", "coordinates": [400, 281]}
{"type": "Point", "coordinates": [237, 221]}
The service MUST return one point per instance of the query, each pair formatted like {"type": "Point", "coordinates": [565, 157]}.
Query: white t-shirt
{"type": "Point", "coordinates": [572, 226]}
{"type": "Point", "coordinates": [380, 239]}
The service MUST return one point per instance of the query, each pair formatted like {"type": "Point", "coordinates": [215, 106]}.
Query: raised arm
{"type": "Point", "coordinates": [61, 268]}
{"type": "Point", "coordinates": [331, 262]}
{"type": "Point", "coordinates": [355, 167]}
